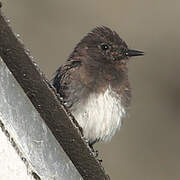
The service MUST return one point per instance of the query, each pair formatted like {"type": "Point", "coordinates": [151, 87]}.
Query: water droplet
{"type": "Point", "coordinates": [27, 51]}
{"type": "Point", "coordinates": [8, 20]}
{"type": "Point", "coordinates": [17, 35]}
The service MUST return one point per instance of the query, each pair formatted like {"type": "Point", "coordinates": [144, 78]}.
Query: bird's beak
{"type": "Point", "coordinates": [131, 52]}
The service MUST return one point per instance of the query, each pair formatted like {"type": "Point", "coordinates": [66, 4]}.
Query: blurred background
{"type": "Point", "coordinates": [147, 146]}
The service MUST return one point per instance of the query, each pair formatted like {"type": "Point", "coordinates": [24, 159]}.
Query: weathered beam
{"type": "Point", "coordinates": [46, 102]}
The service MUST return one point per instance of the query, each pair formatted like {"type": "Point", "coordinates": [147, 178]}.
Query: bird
{"type": "Point", "coordinates": [93, 83]}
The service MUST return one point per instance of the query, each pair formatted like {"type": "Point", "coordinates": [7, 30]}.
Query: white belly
{"type": "Point", "coordinates": [100, 116]}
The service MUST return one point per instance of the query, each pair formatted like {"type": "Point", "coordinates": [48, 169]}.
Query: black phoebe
{"type": "Point", "coordinates": [94, 85]}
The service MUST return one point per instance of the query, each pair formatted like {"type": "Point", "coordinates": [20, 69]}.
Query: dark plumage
{"type": "Point", "coordinates": [94, 84]}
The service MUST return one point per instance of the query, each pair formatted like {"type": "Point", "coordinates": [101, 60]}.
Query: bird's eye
{"type": "Point", "coordinates": [104, 47]}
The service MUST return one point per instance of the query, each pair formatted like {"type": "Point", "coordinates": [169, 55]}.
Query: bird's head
{"type": "Point", "coordinates": [104, 45]}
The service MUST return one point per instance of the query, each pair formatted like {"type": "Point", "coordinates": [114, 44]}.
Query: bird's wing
{"type": "Point", "coordinates": [66, 82]}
